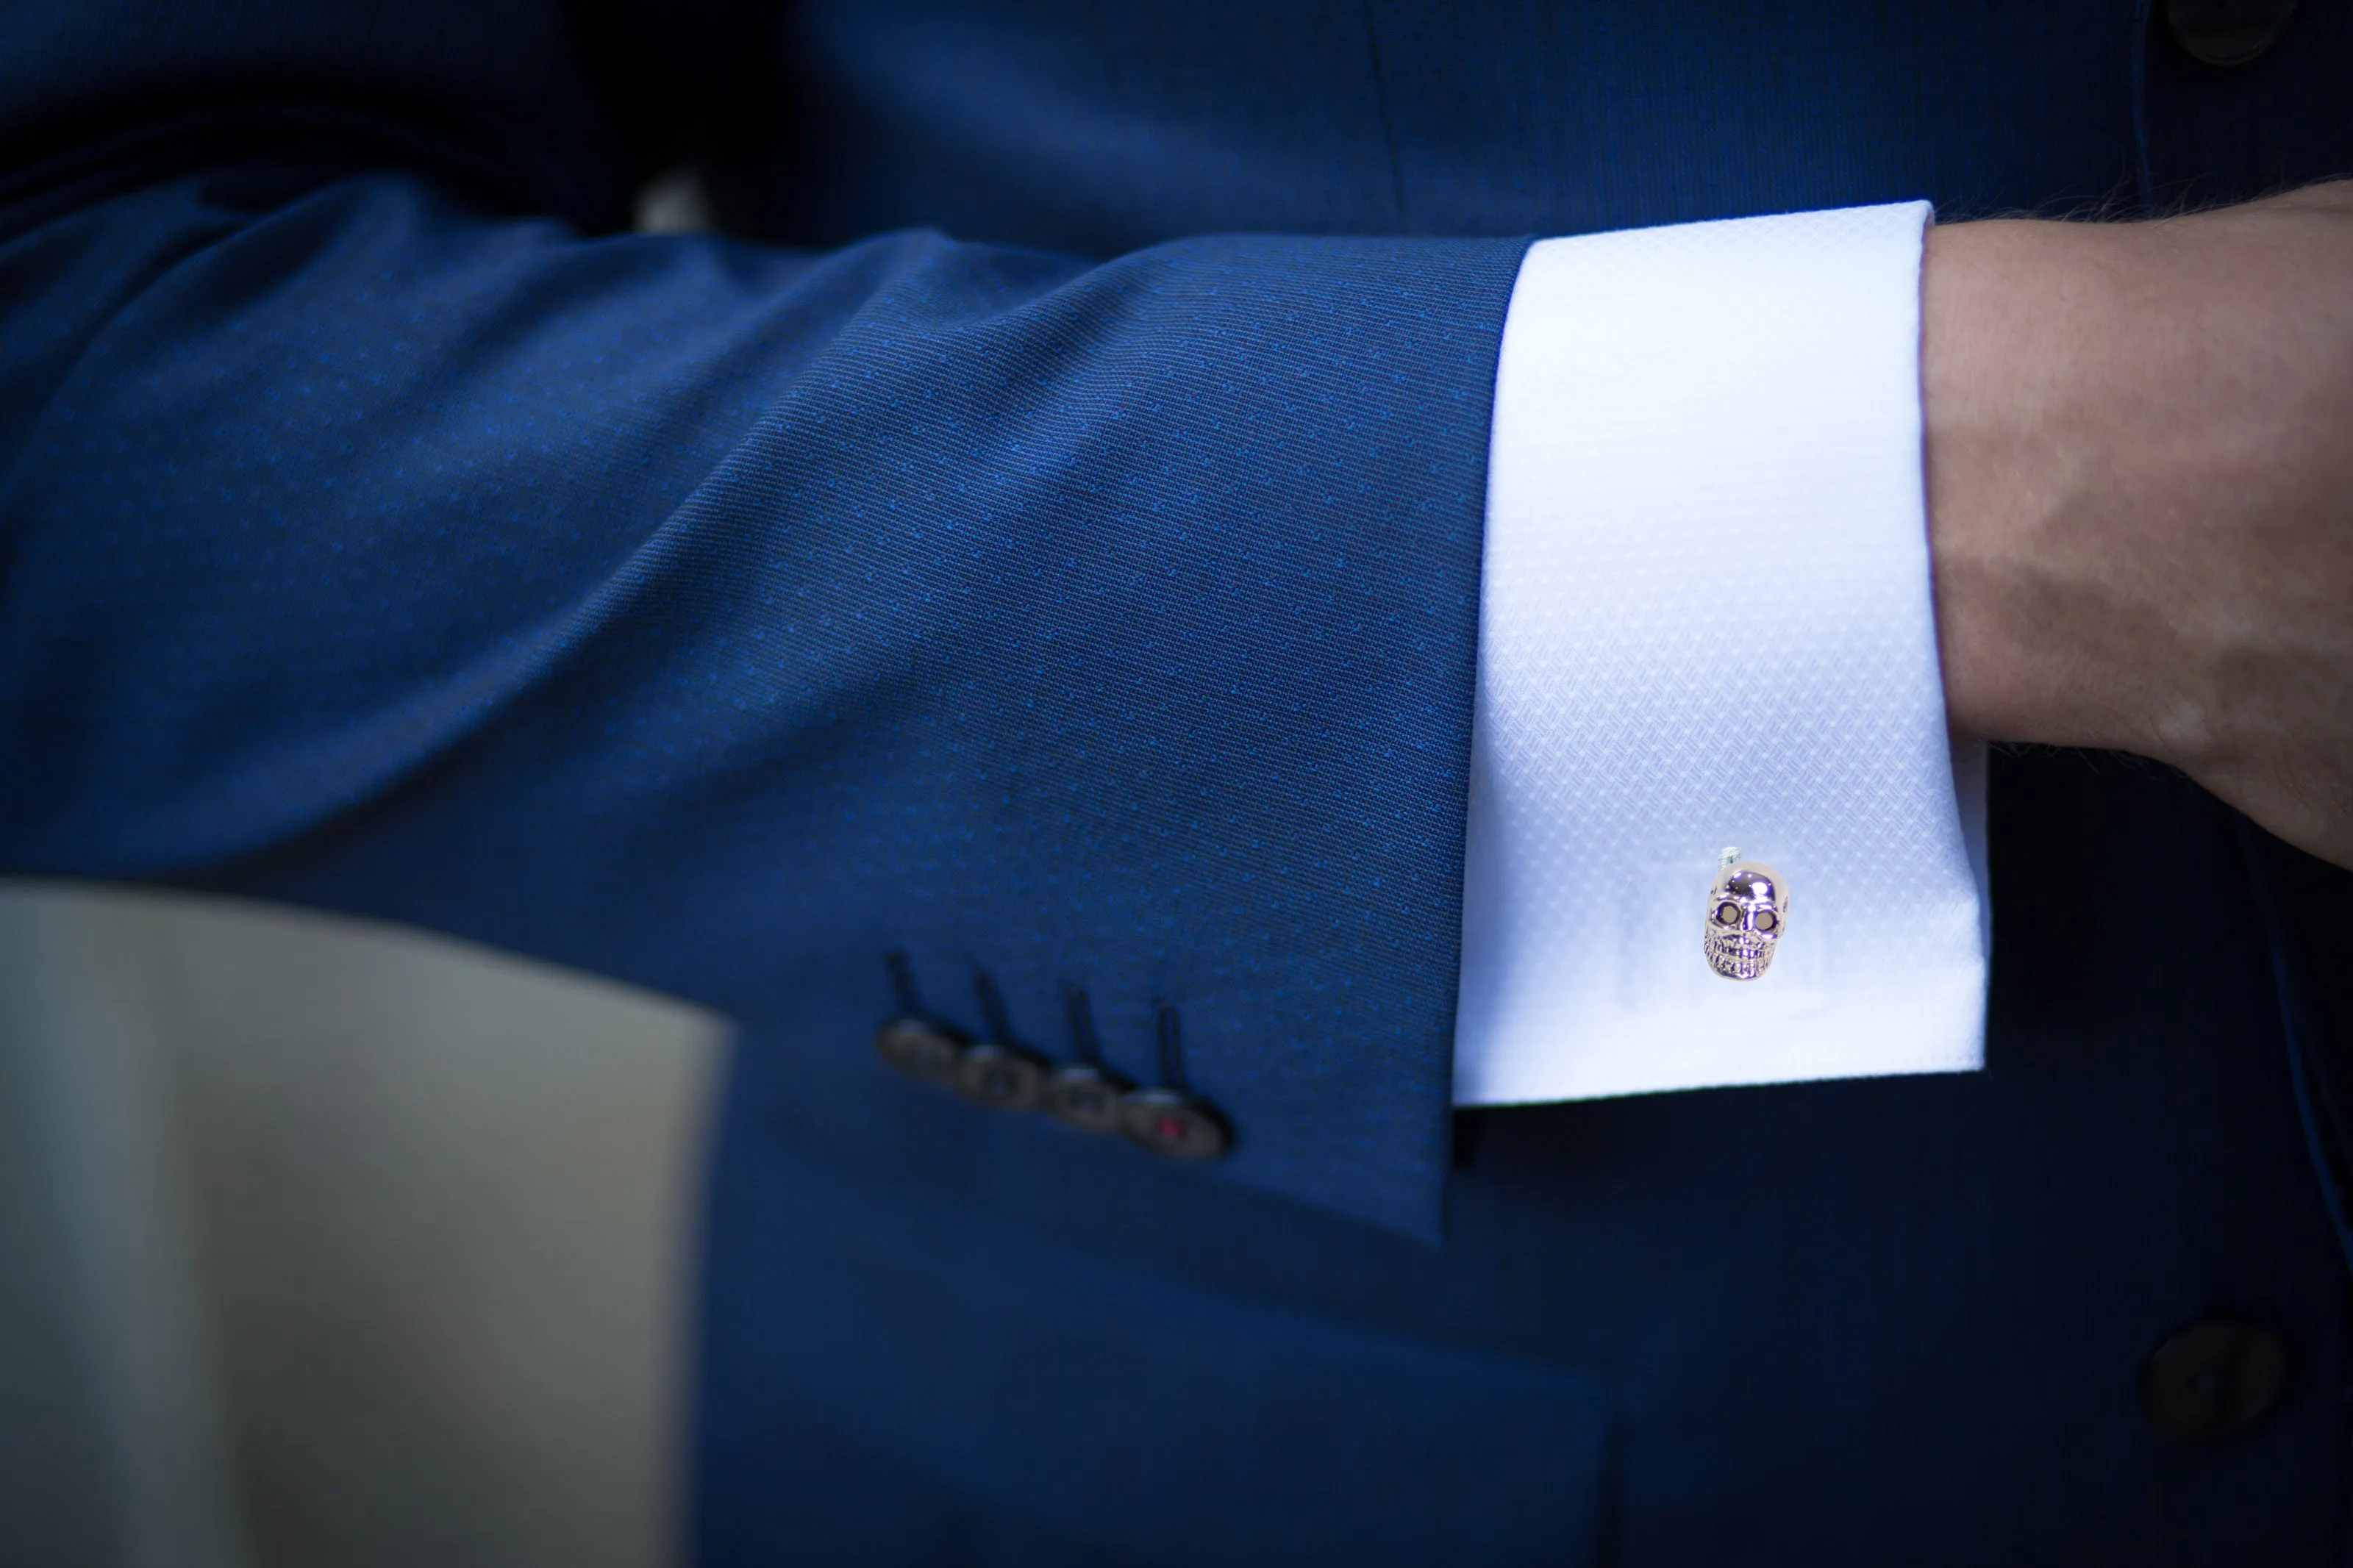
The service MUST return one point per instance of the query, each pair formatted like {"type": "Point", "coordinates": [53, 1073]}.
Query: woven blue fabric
{"type": "Point", "coordinates": [724, 618]}
{"type": "Point", "coordinates": [973, 561]}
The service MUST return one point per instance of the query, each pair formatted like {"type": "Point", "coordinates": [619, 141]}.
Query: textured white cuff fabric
{"type": "Point", "coordinates": [1706, 623]}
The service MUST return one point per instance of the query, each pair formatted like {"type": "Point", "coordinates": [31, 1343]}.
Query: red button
{"type": "Point", "coordinates": [1170, 1122]}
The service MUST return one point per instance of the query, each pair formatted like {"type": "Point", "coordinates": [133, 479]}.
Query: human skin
{"type": "Point", "coordinates": [2140, 494]}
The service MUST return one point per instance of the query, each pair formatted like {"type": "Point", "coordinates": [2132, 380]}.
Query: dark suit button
{"type": "Point", "coordinates": [920, 1048]}
{"type": "Point", "coordinates": [1168, 1122]}
{"type": "Point", "coordinates": [2227, 32]}
{"type": "Point", "coordinates": [2214, 1379]}
{"type": "Point", "coordinates": [1085, 1096]}
{"type": "Point", "coordinates": [1004, 1078]}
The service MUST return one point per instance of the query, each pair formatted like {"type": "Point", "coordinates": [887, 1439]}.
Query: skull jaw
{"type": "Point", "coordinates": [1738, 954]}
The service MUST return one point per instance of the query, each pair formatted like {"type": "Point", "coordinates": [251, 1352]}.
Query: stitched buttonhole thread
{"type": "Point", "coordinates": [993, 1015]}
{"type": "Point", "coordinates": [1172, 1051]}
{"type": "Point", "coordinates": [902, 983]}
{"type": "Point", "coordinates": [1081, 1019]}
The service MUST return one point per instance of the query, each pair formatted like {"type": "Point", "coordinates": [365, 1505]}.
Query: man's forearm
{"type": "Point", "coordinates": [2140, 481]}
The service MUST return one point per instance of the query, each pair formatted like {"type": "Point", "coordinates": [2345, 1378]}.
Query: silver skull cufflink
{"type": "Point", "coordinates": [1747, 911]}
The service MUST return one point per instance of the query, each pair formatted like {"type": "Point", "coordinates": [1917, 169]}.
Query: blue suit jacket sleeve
{"type": "Point", "coordinates": [386, 531]}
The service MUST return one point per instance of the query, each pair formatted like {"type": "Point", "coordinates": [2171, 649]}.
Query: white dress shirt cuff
{"type": "Point", "coordinates": [1706, 623]}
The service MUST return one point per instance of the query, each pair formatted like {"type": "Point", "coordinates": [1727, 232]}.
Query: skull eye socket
{"type": "Point", "coordinates": [1765, 920]}
{"type": "Point", "coordinates": [1727, 913]}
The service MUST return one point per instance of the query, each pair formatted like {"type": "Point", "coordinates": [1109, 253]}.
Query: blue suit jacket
{"type": "Point", "coordinates": [1083, 602]}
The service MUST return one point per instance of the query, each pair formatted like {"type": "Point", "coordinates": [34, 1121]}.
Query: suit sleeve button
{"type": "Point", "coordinates": [2213, 1380]}
{"type": "Point", "coordinates": [1178, 1125]}
{"type": "Point", "coordinates": [2227, 32]}
{"type": "Point", "coordinates": [921, 1049]}
{"type": "Point", "coordinates": [1001, 1077]}
{"type": "Point", "coordinates": [1082, 1095]}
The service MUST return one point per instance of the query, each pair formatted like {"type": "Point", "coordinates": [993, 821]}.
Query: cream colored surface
{"type": "Point", "coordinates": [358, 1247]}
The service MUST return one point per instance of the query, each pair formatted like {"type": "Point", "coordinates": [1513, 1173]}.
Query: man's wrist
{"type": "Point", "coordinates": [2003, 313]}
{"type": "Point", "coordinates": [2137, 482]}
